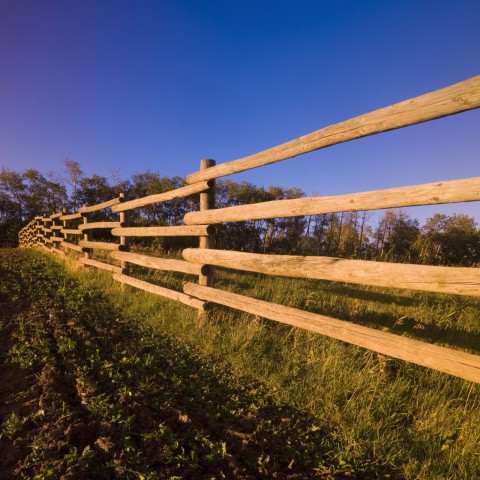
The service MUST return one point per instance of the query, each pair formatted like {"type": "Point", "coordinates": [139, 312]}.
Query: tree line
{"type": "Point", "coordinates": [385, 236]}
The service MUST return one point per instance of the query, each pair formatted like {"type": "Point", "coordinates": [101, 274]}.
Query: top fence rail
{"type": "Point", "coordinates": [450, 100]}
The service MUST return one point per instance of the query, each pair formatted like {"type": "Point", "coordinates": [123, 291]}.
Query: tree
{"type": "Point", "coordinates": [451, 240]}
{"type": "Point", "coordinates": [75, 174]}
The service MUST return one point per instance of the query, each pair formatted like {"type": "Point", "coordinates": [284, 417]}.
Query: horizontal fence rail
{"type": "Point", "coordinates": [452, 191]}
{"type": "Point", "coordinates": [56, 234]}
{"type": "Point", "coordinates": [93, 225]}
{"type": "Point", "coordinates": [456, 280]}
{"type": "Point", "coordinates": [161, 291]}
{"type": "Point", "coordinates": [163, 197]}
{"type": "Point", "coordinates": [447, 101]}
{"type": "Point", "coordinates": [446, 360]}
{"type": "Point", "coordinates": [100, 206]}
{"type": "Point", "coordinates": [167, 264]}
{"type": "Point", "coordinates": [174, 231]}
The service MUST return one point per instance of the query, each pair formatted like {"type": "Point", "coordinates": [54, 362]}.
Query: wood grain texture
{"type": "Point", "coordinates": [207, 202]}
{"type": "Point", "coordinates": [161, 291]}
{"type": "Point", "coordinates": [86, 244]}
{"type": "Point", "coordinates": [100, 206]}
{"type": "Point", "coordinates": [460, 364]}
{"type": "Point", "coordinates": [180, 231]}
{"type": "Point", "coordinates": [94, 225]}
{"type": "Point", "coordinates": [456, 280]}
{"type": "Point", "coordinates": [162, 197]}
{"type": "Point", "coordinates": [452, 191]}
{"type": "Point", "coordinates": [101, 265]}
{"type": "Point", "coordinates": [158, 263]}
{"type": "Point", "coordinates": [447, 101]}
{"type": "Point", "coordinates": [71, 231]}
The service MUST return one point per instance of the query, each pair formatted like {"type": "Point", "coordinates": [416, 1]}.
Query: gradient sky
{"type": "Point", "coordinates": [131, 85]}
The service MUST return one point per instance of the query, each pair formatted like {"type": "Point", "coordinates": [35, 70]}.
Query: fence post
{"type": "Point", "coordinates": [64, 225]}
{"type": "Point", "coordinates": [38, 227]}
{"type": "Point", "coordinates": [207, 202]}
{"type": "Point", "coordinates": [87, 236]}
{"type": "Point", "coordinates": [124, 241]}
{"type": "Point", "coordinates": [45, 234]}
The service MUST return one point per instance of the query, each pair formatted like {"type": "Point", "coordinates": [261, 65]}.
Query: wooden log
{"type": "Point", "coordinates": [56, 215]}
{"type": "Point", "coordinates": [71, 216]}
{"type": "Point", "coordinates": [71, 231]}
{"type": "Point", "coordinates": [46, 230]}
{"type": "Point", "coordinates": [159, 263]}
{"type": "Point", "coordinates": [207, 202]}
{"type": "Point", "coordinates": [93, 225]}
{"type": "Point", "coordinates": [100, 206]}
{"type": "Point", "coordinates": [91, 245]}
{"type": "Point", "coordinates": [447, 101]}
{"type": "Point", "coordinates": [180, 231]}
{"type": "Point", "coordinates": [56, 239]}
{"type": "Point", "coordinates": [87, 235]}
{"type": "Point", "coordinates": [452, 191]}
{"type": "Point", "coordinates": [100, 265]}
{"type": "Point", "coordinates": [125, 241]}
{"type": "Point", "coordinates": [460, 364]}
{"type": "Point", "coordinates": [162, 197]}
{"type": "Point", "coordinates": [456, 280]}
{"type": "Point", "coordinates": [161, 291]}
{"type": "Point", "coordinates": [57, 227]}
{"type": "Point", "coordinates": [71, 246]}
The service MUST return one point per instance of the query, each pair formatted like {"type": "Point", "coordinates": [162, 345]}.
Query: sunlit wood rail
{"type": "Point", "coordinates": [46, 232]}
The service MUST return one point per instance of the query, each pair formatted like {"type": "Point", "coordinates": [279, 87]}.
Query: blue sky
{"type": "Point", "coordinates": [133, 85]}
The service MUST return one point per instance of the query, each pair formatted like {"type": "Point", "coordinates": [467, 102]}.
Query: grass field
{"type": "Point", "coordinates": [154, 393]}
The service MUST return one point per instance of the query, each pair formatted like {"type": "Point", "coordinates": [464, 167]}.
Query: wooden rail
{"type": "Point", "coordinates": [461, 364]}
{"type": "Point", "coordinates": [161, 291]}
{"type": "Point", "coordinates": [43, 230]}
{"type": "Point", "coordinates": [87, 245]}
{"type": "Point", "coordinates": [71, 216]}
{"type": "Point", "coordinates": [447, 101]}
{"type": "Point", "coordinates": [180, 231]}
{"type": "Point", "coordinates": [100, 206]}
{"type": "Point", "coordinates": [100, 265]}
{"type": "Point", "coordinates": [94, 225]}
{"type": "Point", "coordinates": [160, 263]}
{"type": "Point", "coordinates": [162, 197]}
{"type": "Point", "coordinates": [467, 190]}
{"type": "Point", "coordinates": [456, 280]}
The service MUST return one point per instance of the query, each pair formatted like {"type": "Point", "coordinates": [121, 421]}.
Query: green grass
{"type": "Point", "coordinates": [90, 392]}
{"type": "Point", "coordinates": [386, 414]}
{"type": "Point", "coordinates": [383, 416]}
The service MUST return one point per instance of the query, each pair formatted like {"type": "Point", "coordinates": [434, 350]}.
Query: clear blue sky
{"type": "Point", "coordinates": [132, 85]}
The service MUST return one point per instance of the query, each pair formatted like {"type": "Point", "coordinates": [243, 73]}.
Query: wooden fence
{"type": "Point", "coordinates": [56, 234]}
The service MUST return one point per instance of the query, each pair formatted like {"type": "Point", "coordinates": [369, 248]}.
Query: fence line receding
{"type": "Point", "coordinates": [56, 233]}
